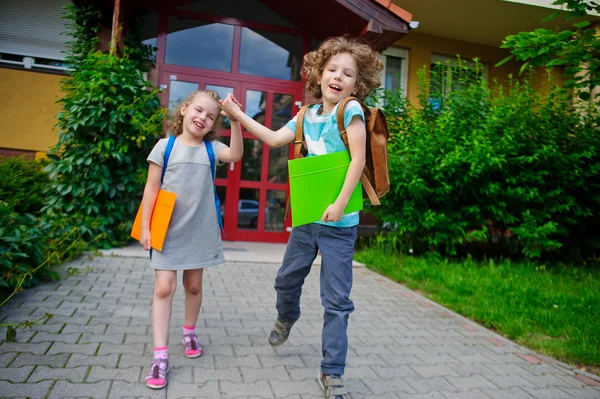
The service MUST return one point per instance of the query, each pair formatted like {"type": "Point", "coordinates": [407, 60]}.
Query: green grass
{"type": "Point", "coordinates": [554, 310]}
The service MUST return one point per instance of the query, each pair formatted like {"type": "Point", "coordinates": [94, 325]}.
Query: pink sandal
{"type": "Point", "coordinates": [157, 377]}
{"type": "Point", "coordinates": [192, 348]}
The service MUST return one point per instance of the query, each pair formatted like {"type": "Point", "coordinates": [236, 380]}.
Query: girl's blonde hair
{"type": "Point", "coordinates": [367, 60]}
{"type": "Point", "coordinates": [175, 123]}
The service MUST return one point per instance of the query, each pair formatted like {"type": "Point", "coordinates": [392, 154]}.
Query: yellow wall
{"type": "Point", "coordinates": [28, 109]}
{"type": "Point", "coordinates": [422, 46]}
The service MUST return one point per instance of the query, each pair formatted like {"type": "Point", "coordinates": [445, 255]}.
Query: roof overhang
{"type": "Point", "coordinates": [379, 22]}
{"type": "Point", "coordinates": [483, 22]}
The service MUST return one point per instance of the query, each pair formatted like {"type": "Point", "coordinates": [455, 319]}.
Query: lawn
{"type": "Point", "coordinates": [553, 309]}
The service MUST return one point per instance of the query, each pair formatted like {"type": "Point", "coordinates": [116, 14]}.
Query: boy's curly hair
{"type": "Point", "coordinates": [367, 60]}
{"type": "Point", "coordinates": [175, 122]}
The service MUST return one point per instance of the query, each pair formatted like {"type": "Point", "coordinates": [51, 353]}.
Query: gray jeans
{"type": "Point", "coordinates": [337, 249]}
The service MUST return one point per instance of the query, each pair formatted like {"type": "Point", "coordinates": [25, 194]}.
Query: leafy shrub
{"type": "Point", "coordinates": [23, 183]}
{"type": "Point", "coordinates": [510, 167]}
{"type": "Point", "coordinates": [110, 119]}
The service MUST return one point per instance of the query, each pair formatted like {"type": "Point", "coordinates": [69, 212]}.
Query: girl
{"type": "Point", "coordinates": [193, 241]}
{"type": "Point", "coordinates": [339, 68]}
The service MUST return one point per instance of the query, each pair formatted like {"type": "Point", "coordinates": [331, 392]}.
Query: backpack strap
{"type": "Point", "coordinates": [211, 157]}
{"type": "Point", "coordinates": [299, 132]}
{"type": "Point", "coordinates": [166, 157]}
{"type": "Point", "coordinates": [364, 178]}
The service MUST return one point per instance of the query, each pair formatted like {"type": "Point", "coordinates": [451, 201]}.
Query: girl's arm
{"type": "Point", "coordinates": [234, 152]}
{"type": "Point", "coordinates": [271, 138]}
{"type": "Point", "coordinates": [148, 200]}
{"type": "Point", "coordinates": [357, 142]}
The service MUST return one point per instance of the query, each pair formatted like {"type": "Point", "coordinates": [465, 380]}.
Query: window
{"type": "Point", "coordinates": [199, 44]}
{"type": "Point", "coordinates": [395, 69]}
{"type": "Point", "coordinates": [31, 34]}
{"type": "Point", "coordinates": [448, 74]}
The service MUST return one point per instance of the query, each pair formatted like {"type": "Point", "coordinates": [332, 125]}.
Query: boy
{"type": "Point", "coordinates": [339, 68]}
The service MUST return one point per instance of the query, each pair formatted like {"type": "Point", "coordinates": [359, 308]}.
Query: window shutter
{"type": "Point", "coordinates": [33, 28]}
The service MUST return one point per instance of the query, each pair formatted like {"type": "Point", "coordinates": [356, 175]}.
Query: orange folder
{"type": "Point", "coordinates": [159, 221]}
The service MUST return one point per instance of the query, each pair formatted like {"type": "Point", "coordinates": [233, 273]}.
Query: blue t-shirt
{"type": "Point", "coordinates": [322, 136]}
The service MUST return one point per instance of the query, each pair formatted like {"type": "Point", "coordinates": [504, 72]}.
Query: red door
{"type": "Point", "coordinates": [260, 180]}
{"type": "Point", "coordinates": [253, 191]}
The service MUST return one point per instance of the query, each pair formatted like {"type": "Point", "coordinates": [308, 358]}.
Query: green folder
{"type": "Point", "coordinates": [315, 183]}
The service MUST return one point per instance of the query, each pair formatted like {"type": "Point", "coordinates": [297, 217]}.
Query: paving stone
{"type": "Point", "coordinates": [98, 373]}
{"type": "Point", "coordinates": [437, 384]}
{"type": "Point", "coordinates": [64, 389]}
{"type": "Point", "coordinates": [259, 389]}
{"type": "Point", "coordinates": [103, 338]}
{"type": "Point", "coordinates": [512, 393]}
{"type": "Point", "coordinates": [83, 348]}
{"type": "Point", "coordinates": [15, 375]}
{"type": "Point", "coordinates": [108, 348]}
{"type": "Point", "coordinates": [36, 349]}
{"type": "Point", "coordinates": [439, 370]}
{"type": "Point", "coordinates": [399, 386]}
{"type": "Point", "coordinates": [109, 361]}
{"type": "Point", "coordinates": [208, 390]}
{"type": "Point", "coordinates": [42, 336]}
{"type": "Point", "coordinates": [28, 359]}
{"type": "Point", "coordinates": [581, 393]}
{"type": "Point", "coordinates": [138, 390]}
{"type": "Point", "coordinates": [74, 374]}
{"type": "Point", "coordinates": [39, 390]}
{"type": "Point", "coordinates": [7, 358]}
{"type": "Point", "coordinates": [475, 394]}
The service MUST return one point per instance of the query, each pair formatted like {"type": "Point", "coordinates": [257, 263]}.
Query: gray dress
{"type": "Point", "coordinates": [193, 240]}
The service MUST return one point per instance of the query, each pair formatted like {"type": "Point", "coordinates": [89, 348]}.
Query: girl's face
{"type": "Point", "coordinates": [338, 80]}
{"type": "Point", "coordinates": [199, 115]}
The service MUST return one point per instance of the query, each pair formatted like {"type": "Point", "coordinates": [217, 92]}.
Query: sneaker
{"type": "Point", "coordinates": [157, 377]}
{"type": "Point", "coordinates": [192, 348]}
{"type": "Point", "coordinates": [332, 385]}
{"type": "Point", "coordinates": [280, 332]}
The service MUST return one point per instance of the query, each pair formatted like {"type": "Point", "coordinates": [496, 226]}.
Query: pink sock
{"type": "Point", "coordinates": [161, 353]}
{"type": "Point", "coordinates": [189, 330]}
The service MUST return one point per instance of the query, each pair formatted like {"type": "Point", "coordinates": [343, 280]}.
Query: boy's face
{"type": "Point", "coordinates": [199, 116]}
{"type": "Point", "coordinates": [339, 78]}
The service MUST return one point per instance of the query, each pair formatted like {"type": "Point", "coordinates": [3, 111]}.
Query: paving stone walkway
{"type": "Point", "coordinates": [98, 344]}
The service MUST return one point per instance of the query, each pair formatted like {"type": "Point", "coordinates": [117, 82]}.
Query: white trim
{"type": "Point", "coordinates": [398, 52]}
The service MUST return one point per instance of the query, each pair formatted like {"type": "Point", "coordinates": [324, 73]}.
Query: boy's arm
{"type": "Point", "coordinates": [234, 152]}
{"type": "Point", "coordinates": [357, 142]}
{"type": "Point", "coordinates": [148, 201]}
{"type": "Point", "coordinates": [271, 138]}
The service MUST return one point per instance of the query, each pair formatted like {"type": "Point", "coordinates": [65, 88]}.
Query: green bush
{"type": "Point", "coordinates": [110, 120]}
{"type": "Point", "coordinates": [509, 167]}
{"type": "Point", "coordinates": [23, 183]}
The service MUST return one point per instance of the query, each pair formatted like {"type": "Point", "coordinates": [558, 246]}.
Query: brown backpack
{"type": "Point", "coordinates": [375, 178]}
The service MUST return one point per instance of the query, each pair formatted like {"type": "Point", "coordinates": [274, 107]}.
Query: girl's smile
{"type": "Point", "coordinates": [199, 116]}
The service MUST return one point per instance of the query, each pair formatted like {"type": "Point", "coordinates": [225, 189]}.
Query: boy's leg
{"type": "Point", "coordinates": [299, 256]}
{"type": "Point", "coordinates": [337, 250]}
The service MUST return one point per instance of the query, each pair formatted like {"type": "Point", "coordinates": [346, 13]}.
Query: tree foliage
{"type": "Point", "coordinates": [110, 119]}
{"type": "Point", "coordinates": [507, 168]}
{"type": "Point", "coordinates": [576, 49]}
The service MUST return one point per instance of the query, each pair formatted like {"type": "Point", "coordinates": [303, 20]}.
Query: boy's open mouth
{"type": "Point", "coordinates": [198, 125]}
{"type": "Point", "coordinates": [335, 87]}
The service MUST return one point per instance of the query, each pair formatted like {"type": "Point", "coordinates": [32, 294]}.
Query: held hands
{"type": "Point", "coordinates": [145, 239]}
{"type": "Point", "coordinates": [333, 213]}
{"type": "Point", "coordinates": [230, 106]}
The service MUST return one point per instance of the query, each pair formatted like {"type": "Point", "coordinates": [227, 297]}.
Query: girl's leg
{"type": "Point", "coordinates": [192, 282]}
{"type": "Point", "coordinates": [164, 289]}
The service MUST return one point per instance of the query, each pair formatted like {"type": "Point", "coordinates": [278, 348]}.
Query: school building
{"type": "Point", "coordinates": [254, 49]}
